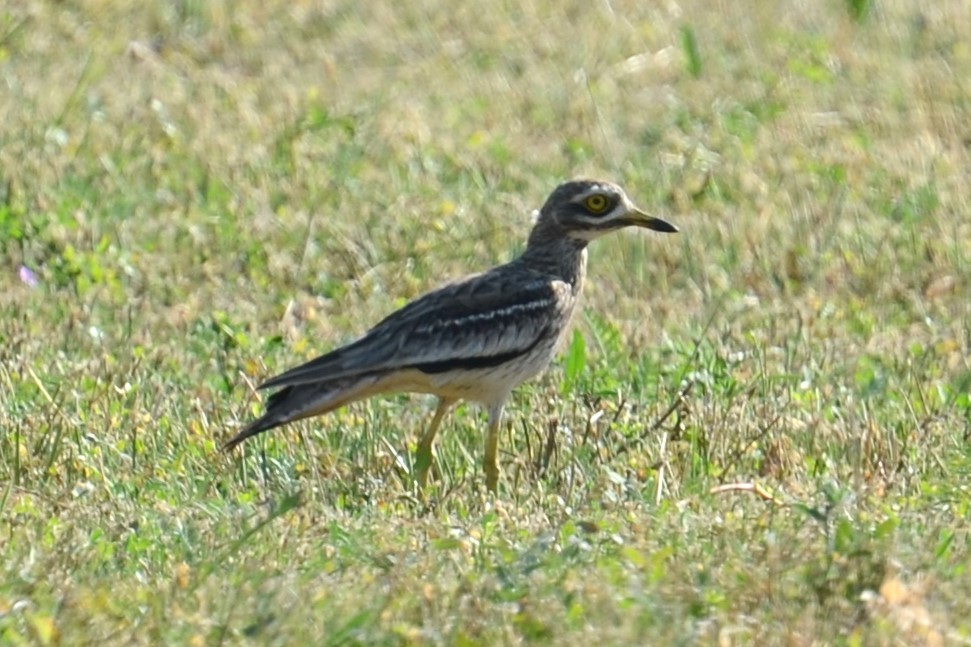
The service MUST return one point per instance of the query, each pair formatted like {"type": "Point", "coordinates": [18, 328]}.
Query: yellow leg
{"type": "Point", "coordinates": [423, 455]}
{"type": "Point", "coordinates": [491, 461]}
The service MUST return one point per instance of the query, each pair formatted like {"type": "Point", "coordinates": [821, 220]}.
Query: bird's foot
{"type": "Point", "coordinates": [424, 461]}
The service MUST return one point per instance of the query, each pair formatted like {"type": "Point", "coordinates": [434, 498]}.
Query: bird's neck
{"type": "Point", "coordinates": [561, 256]}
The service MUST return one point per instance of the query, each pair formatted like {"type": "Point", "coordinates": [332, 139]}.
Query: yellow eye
{"type": "Point", "coordinates": [595, 203]}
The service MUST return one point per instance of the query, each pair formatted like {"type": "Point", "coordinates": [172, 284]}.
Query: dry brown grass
{"type": "Point", "coordinates": [208, 192]}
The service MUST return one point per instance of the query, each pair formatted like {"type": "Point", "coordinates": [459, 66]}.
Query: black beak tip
{"type": "Point", "coordinates": [663, 226]}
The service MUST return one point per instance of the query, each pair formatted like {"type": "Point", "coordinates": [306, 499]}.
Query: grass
{"type": "Point", "coordinates": [759, 434]}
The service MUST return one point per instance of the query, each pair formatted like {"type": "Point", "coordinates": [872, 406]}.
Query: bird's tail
{"type": "Point", "coordinates": [293, 403]}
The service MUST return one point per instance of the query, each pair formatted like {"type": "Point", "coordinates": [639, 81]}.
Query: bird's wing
{"type": "Point", "coordinates": [481, 321]}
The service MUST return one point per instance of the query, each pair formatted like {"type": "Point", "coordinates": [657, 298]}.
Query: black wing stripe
{"type": "Point", "coordinates": [482, 361]}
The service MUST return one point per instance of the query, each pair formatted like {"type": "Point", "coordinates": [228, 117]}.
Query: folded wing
{"type": "Point", "coordinates": [481, 322]}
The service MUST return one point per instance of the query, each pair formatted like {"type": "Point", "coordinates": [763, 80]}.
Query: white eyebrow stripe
{"type": "Point", "coordinates": [596, 188]}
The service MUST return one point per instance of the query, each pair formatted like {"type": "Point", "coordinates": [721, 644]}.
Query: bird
{"type": "Point", "coordinates": [475, 339]}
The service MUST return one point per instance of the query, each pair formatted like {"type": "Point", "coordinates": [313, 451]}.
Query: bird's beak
{"type": "Point", "coordinates": [638, 218]}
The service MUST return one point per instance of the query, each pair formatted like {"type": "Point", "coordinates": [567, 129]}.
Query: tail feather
{"type": "Point", "coordinates": [275, 416]}
{"type": "Point", "coordinates": [304, 401]}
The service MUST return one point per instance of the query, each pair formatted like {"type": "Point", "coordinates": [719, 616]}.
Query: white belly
{"type": "Point", "coordinates": [492, 384]}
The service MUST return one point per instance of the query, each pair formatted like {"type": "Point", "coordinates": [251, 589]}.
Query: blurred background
{"type": "Point", "coordinates": [195, 195]}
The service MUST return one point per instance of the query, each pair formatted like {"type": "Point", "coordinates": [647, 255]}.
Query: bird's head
{"type": "Point", "coordinates": [587, 209]}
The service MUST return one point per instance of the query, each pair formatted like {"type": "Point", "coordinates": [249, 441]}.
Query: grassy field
{"type": "Point", "coordinates": [760, 433]}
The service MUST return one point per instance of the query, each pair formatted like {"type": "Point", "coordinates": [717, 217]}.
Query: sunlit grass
{"type": "Point", "coordinates": [758, 435]}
